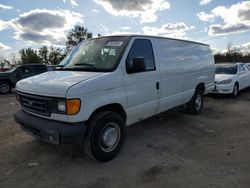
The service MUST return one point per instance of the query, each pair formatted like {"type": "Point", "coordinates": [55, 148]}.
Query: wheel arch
{"type": "Point", "coordinates": [115, 107]}
{"type": "Point", "coordinates": [201, 88]}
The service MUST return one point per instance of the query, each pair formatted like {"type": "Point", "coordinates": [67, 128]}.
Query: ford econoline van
{"type": "Point", "coordinates": [110, 83]}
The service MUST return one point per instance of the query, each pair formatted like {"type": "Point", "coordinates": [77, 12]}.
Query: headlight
{"type": "Point", "coordinates": [68, 106]}
{"type": "Point", "coordinates": [61, 106]}
{"type": "Point", "coordinates": [225, 81]}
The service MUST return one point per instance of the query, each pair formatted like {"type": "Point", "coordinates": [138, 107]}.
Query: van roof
{"type": "Point", "coordinates": [153, 36]}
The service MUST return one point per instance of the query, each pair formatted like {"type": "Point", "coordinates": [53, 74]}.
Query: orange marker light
{"type": "Point", "coordinates": [73, 106]}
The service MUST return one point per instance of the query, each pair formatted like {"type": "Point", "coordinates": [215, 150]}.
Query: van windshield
{"type": "Point", "coordinates": [226, 69]}
{"type": "Point", "coordinates": [98, 55]}
{"type": "Point", "coordinates": [69, 56]}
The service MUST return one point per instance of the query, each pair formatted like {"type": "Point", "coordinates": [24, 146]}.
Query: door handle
{"type": "Point", "coordinates": [157, 85]}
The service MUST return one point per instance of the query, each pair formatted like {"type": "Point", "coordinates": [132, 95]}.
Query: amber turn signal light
{"type": "Point", "coordinates": [73, 106]}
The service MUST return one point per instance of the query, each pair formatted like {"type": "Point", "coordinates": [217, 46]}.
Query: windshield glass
{"type": "Point", "coordinates": [12, 69]}
{"type": "Point", "coordinates": [99, 55]}
{"type": "Point", "coordinates": [70, 55]}
{"type": "Point", "coordinates": [226, 69]}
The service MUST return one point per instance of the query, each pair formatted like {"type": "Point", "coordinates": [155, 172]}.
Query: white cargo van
{"type": "Point", "coordinates": [110, 83]}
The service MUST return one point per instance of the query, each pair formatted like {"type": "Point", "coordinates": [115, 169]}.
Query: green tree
{"type": "Point", "coordinates": [29, 56]}
{"type": "Point", "coordinates": [55, 56]}
{"type": "Point", "coordinates": [77, 35]}
{"type": "Point", "coordinates": [44, 54]}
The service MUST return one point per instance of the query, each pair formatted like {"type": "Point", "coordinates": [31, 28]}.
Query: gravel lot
{"type": "Point", "coordinates": [169, 150]}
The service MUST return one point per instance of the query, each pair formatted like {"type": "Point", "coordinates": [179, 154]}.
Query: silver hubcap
{"type": "Point", "coordinates": [198, 102]}
{"type": "Point", "coordinates": [110, 137]}
{"type": "Point", "coordinates": [4, 88]}
{"type": "Point", "coordinates": [235, 90]}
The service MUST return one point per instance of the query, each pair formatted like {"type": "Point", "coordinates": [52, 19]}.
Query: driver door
{"type": "Point", "coordinates": [142, 87]}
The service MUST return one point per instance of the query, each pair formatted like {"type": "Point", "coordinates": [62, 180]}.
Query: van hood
{"type": "Point", "coordinates": [54, 83]}
{"type": "Point", "coordinates": [220, 77]}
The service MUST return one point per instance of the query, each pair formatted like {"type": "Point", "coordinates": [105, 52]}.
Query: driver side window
{"type": "Point", "coordinates": [25, 70]}
{"type": "Point", "coordinates": [142, 48]}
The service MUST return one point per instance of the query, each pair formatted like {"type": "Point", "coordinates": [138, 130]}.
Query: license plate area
{"type": "Point", "coordinates": [51, 136]}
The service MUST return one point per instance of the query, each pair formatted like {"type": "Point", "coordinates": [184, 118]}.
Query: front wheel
{"type": "Point", "coordinates": [235, 90]}
{"type": "Point", "coordinates": [5, 87]}
{"type": "Point", "coordinates": [194, 106]}
{"type": "Point", "coordinates": [105, 136]}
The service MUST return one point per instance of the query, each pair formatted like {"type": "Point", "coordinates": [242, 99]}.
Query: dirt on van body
{"type": "Point", "coordinates": [172, 149]}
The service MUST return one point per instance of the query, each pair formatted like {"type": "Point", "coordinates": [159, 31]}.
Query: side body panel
{"type": "Point", "coordinates": [183, 65]}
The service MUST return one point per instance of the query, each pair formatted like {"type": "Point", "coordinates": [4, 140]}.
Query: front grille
{"type": "Point", "coordinates": [35, 104]}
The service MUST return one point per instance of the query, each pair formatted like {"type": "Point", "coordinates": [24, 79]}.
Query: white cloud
{"type": "Point", "coordinates": [72, 2]}
{"type": "Point", "coordinates": [173, 30]}
{"type": "Point", "coordinates": [122, 33]}
{"type": "Point", "coordinates": [218, 29]}
{"type": "Point", "coordinates": [236, 19]}
{"type": "Point", "coordinates": [44, 26]}
{"type": "Point", "coordinates": [3, 25]}
{"type": "Point", "coordinates": [206, 17]}
{"type": "Point", "coordinates": [243, 48]}
{"type": "Point", "coordinates": [146, 10]}
{"type": "Point", "coordinates": [95, 10]}
{"type": "Point", "coordinates": [215, 50]}
{"type": "Point", "coordinates": [205, 2]}
{"type": "Point", "coordinates": [192, 27]}
{"type": "Point", "coordinates": [4, 47]}
{"type": "Point", "coordinates": [125, 28]}
{"type": "Point", "coordinates": [5, 7]}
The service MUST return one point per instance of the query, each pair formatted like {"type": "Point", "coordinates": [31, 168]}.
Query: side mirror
{"type": "Point", "coordinates": [137, 65]}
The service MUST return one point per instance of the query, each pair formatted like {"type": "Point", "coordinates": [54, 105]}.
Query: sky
{"type": "Point", "coordinates": [34, 23]}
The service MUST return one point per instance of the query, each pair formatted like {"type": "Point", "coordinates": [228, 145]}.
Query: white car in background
{"type": "Point", "coordinates": [230, 78]}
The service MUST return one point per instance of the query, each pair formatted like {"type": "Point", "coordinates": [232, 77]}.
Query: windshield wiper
{"type": "Point", "coordinates": [89, 65]}
{"type": "Point", "coordinates": [60, 66]}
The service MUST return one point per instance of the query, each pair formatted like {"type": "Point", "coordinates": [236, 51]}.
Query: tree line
{"type": "Point", "coordinates": [232, 57]}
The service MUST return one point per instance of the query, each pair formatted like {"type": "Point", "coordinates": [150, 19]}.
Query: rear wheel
{"type": "Point", "coordinates": [105, 137]}
{"type": "Point", "coordinates": [235, 90]}
{"type": "Point", "coordinates": [5, 87]}
{"type": "Point", "coordinates": [194, 106]}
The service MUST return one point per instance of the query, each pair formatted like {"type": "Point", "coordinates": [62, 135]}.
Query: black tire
{"type": "Point", "coordinates": [5, 87]}
{"type": "Point", "coordinates": [235, 90]}
{"type": "Point", "coordinates": [194, 106]}
{"type": "Point", "coordinates": [94, 141]}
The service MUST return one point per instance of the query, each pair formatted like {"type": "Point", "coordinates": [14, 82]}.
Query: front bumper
{"type": "Point", "coordinates": [51, 131]}
{"type": "Point", "coordinates": [223, 89]}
